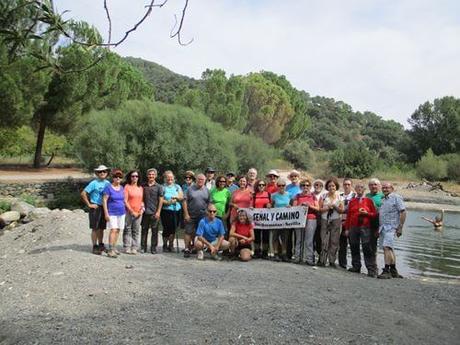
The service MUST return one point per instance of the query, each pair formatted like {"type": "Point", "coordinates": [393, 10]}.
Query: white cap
{"type": "Point", "coordinates": [101, 168]}
{"type": "Point", "coordinates": [273, 172]}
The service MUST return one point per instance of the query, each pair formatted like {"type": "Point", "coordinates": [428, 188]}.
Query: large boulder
{"type": "Point", "coordinates": [22, 207]}
{"type": "Point", "coordinates": [39, 212]}
{"type": "Point", "coordinates": [9, 217]}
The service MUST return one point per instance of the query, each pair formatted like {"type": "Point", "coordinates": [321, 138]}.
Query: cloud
{"type": "Point", "coordinates": [385, 57]}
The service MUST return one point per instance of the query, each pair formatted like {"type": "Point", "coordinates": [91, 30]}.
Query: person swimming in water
{"type": "Point", "coordinates": [437, 221]}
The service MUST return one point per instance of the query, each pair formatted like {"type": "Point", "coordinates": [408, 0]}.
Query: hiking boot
{"type": "Point", "coordinates": [186, 253]}
{"type": "Point", "coordinates": [165, 248]}
{"type": "Point", "coordinates": [394, 273]}
{"type": "Point", "coordinates": [343, 266]}
{"type": "Point", "coordinates": [276, 258]}
{"type": "Point", "coordinates": [320, 264]}
{"type": "Point", "coordinates": [111, 254]}
{"type": "Point", "coordinates": [96, 250]}
{"type": "Point", "coordinates": [102, 248]}
{"type": "Point", "coordinates": [153, 250]}
{"type": "Point", "coordinates": [170, 249]}
{"type": "Point", "coordinates": [385, 274]}
{"type": "Point", "coordinates": [200, 255]}
{"type": "Point", "coordinates": [332, 265]}
{"type": "Point", "coordinates": [372, 274]}
{"type": "Point", "coordinates": [354, 270]}
{"type": "Point", "coordinates": [133, 251]}
{"type": "Point", "coordinates": [285, 258]}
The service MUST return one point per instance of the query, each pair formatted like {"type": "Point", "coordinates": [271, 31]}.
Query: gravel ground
{"type": "Point", "coordinates": [54, 291]}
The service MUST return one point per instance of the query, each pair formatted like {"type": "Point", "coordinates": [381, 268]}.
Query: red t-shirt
{"type": "Point", "coordinates": [243, 229]}
{"type": "Point", "coordinates": [242, 199]}
{"type": "Point", "coordinates": [272, 188]}
{"type": "Point", "coordinates": [261, 199]}
{"type": "Point", "coordinates": [308, 199]}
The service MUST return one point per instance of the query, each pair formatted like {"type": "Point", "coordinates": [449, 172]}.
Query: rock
{"type": "Point", "coordinates": [22, 207]}
{"type": "Point", "coordinates": [39, 212]}
{"type": "Point", "coordinates": [26, 220]}
{"type": "Point", "coordinates": [78, 211]}
{"type": "Point", "coordinates": [11, 226]}
{"type": "Point", "coordinates": [10, 216]}
{"type": "Point", "coordinates": [21, 251]}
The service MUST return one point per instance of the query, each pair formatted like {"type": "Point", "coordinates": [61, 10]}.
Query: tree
{"type": "Point", "coordinates": [437, 126]}
{"type": "Point", "coordinates": [354, 160]}
{"type": "Point", "coordinates": [269, 109]}
{"type": "Point", "coordinates": [71, 95]}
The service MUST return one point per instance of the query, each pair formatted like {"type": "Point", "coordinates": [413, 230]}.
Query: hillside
{"type": "Point", "coordinates": [167, 83]}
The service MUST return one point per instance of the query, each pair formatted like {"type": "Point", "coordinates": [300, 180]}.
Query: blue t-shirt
{"type": "Point", "coordinates": [95, 189]}
{"type": "Point", "coordinates": [293, 190]}
{"type": "Point", "coordinates": [233, 188]}
{"type": "Point", "coordinates": [170, 192]}
{"type": "Point", "coordinates": [281, 200]}
{"type": "Point", "coordinates": [210, 230]}
{"type": "Point", "coordinates": [116, 200]}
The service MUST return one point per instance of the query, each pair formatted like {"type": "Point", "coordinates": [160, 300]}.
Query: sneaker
{"type": "Point", "coordinates": [116, 251]}
{"type": "Point", "coordinates": [309, 263]}
{"type": "Point", "coordinates": [372, 274]}
{"type": "Point", "coordinates": [200, 255]}
{"type": "Point", "coordinates": [354, 270]}
{"type": "Point", "coordinates": [216, 257]}
{"type": "Point", "coordinates": [127, 250]}
{"type": "Point", "coordinates": [186, 253]}
{"type": "Point", "coordinates": [96, 250]}
{"type": "Point", "coordinates": [343, 266]}
{"type": "Point", "coordinates": [276, 258]}
{"type": "Point", "coordinates": [133, 251]}
{"type": "Point", "coordinates": [394, 273]}
{"type": "Point", "coordinates": [385, 274]}
{"type": "Point", "coordinates": [111, 254]}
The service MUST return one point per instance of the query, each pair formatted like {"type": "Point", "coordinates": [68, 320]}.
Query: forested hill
{"type": "Point", "coordinates": [309, 123]}
{"type": "Point", "coordinates": [167, 84]}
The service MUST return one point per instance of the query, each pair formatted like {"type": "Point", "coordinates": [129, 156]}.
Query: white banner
{"type": "Point", "coordinates": [278, 218]}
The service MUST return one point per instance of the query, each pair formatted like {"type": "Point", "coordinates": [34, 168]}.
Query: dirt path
{"type": "Point", "coordinates": [43, 174]}
{"type": "Point", "coordinates": [54, 291]}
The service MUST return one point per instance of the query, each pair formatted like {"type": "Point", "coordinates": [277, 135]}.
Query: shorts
{"type": "Point", "coordinates": [116, 222]}
{"type": "Point", "coordinates": [191, 226]}
{"type": "Point", "coordinates": [96, 218]}
{"type": "Point", "coordinates": [223, 246]}
{"type": "Point", "coordinates": [387, 237]}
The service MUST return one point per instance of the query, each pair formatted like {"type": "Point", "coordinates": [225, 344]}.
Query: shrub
{"type": "Point", "coordinates": [431, 167]}
{"type": "Point", "coordinates": [142, 134]}
{"type": "Point", "coordinates": [4, 206]}
{"type": "Point", "coordinates": [69, 200]}
{"type": "Point", "coordinates": [453, 166]}
{"type": "Point", "coordinates": [355, 160]}
{"type": "Point", "coordinates": [299, 154]}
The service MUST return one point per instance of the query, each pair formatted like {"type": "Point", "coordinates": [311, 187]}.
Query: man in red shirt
{"type": "Point", "coordinates": [358, 228]}
{"type": "Point", "coordinates": [272, 177]}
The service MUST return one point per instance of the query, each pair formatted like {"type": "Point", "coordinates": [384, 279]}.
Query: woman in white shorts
{"type": "Point", "coordinates": [114, 210]}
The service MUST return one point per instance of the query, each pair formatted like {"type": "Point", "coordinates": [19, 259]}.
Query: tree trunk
{"type": "Point", "coordinates": [40, 138]}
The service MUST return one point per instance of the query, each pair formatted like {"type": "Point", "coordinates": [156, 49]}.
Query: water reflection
{"type": "Point", "coordinates": [422, 251]}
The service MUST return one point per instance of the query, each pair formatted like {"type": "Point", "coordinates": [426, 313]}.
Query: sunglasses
{"type": "Point", "coordinates": [188, 178]}
{"type": "Point", "coordinates": [304, 185]}
{"type": "Point", "coordinates": [261, 184]}
{"type": "Point", "coordinates": [222, 181]}
{"type": "Point", "coordinates": [212, 211]}
{"type": "Point", "coordinates": [281, 185]}
{"type": "Point", "coordinates": [134, 176]}
{"type": "Point", "coordinates": [118, 177]}
{"type": "Point", "coordinates": [101, 172]}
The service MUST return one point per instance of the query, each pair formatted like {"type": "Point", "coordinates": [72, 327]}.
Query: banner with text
{"type": "Point", "coordinates": [278, 218]}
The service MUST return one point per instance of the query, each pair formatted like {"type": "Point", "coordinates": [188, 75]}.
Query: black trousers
{"type": "Point", "coordinates": [362, 237]}
{"type": "Point", "coordinates": [149, 222]}
{"type": "Point", "coordinates": [343, 248]}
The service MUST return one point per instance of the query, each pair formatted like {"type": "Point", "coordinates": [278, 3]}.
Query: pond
{"type": "Point", "coordinates": [421, 251]}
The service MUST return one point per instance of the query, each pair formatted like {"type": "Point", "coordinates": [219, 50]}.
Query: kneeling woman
{"type": "Point", "coordinates": [242, 236]}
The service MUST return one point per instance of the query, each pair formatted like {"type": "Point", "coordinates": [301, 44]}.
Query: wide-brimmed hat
{"type": "Point", "coordinates": [294, 172]}
{"type": "Point", "coordinates": [273, 172]}
{"type": "Point", "coordinates": [230, 173]}
{"type": "Point", "coordinates": [209, 169]}
{"type": "Point", "coordinates": [101, 168]}
{"type": "Point", "coordinates": [189, 173]}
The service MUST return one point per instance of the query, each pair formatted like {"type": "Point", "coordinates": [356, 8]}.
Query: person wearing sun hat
{"type": "Point", "coordinates": [272, 177]}
{"type": "Point", "coordinates": [92, 197]}
{"type": "Point", "coordinates": [210, 178]}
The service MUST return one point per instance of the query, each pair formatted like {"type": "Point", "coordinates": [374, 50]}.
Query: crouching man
{"type": "Point", "coordinates": [210, 235]}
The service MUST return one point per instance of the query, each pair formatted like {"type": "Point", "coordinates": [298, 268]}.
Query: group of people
{"type": "Point", "coordinates": [212, 212]}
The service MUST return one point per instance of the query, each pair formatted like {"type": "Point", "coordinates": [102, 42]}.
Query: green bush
{"type": "Point", "coordinates": [453, 166]}
{"type": "Point", "coordinates": [69, 200]}
{"type": "Point", "coordinates": [142, 134]}
{"type": "Point", "coordinates": [355, 160]}
{"type": "Point", "coordinates": [4, 206]}
{"type": "Point", "coordinates": [30, 199]}
{"type": "Point", "coordinates": [299, 154]}
{"type": "Point", "coordinates": [431, 167]}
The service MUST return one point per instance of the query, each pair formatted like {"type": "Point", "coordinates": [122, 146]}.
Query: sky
{"type": "Point", "coordinates": [385, 56]}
